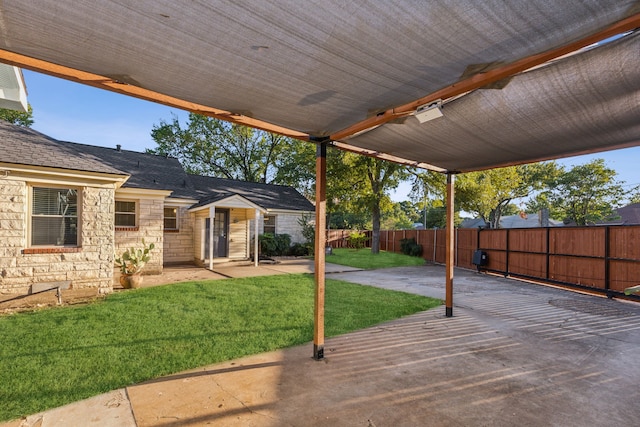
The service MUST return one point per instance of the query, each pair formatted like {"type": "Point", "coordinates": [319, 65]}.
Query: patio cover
{"type": "Point", "coordinates": [352, 72]}
{"type": "Point", "coordinates": [519, 81]}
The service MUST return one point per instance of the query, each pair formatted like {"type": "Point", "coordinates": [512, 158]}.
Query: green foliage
{"type": "Point", "coordinates": [363, 258]}
{"type": "Point", "coordinates": [632, 290]}
{"type": "Point", "coordinates": [584, 194]}
{"type": "Point", "coordinates": [274, 244]}
{"type": "Point", "coordinates": [295, 166]}
{"type": "Point", "coordinates": [396, 218]}
{"type": "Point", "coordinates": [429, 192]}
{"type": "Point", "coordinates": [357, 239]}
{"type": "Point", "coordinates": [376, 178]}
{"type": "Point", "coordinates": [300, 249]}
{"type": "Point", "coordinates": [411, 247]}
{"type": "Point", "coordinates": [308, 229]}
{"type": "Point", "coordinates": [208, 146]}
{"type": "Point", "coordinates": [489, 193]}
{"type": "Point", "coordinates": [19, 118]}
{"type": "Point", "coordinates": [132, 261]}
{"type": "Point", "coordinates": [134, 336]}
{"type": "Point", "coordinates": [340, 220]}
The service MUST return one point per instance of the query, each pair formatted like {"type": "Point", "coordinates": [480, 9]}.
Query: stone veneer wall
{"type": "Point", "coordinates": [150, 225]}
{"type": "Point", "coordinates": [178, 245]}
{"type": "Point", "coordinates": [90, 265]}
{"type": "Point", "coordinates": [286, 223]}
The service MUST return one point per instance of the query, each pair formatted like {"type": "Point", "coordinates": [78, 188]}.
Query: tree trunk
{"type": "Point", "coordinates": [375, 235]}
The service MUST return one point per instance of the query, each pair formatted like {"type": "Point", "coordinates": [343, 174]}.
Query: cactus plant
{"type": "Point", "coordinates": [132, 261]}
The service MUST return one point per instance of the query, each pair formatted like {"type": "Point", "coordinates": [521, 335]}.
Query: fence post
{"type": "Point", "coordinates": [506, 245]}
{"type": "Point", "coordinates": [548, 251]}
{"type": "Point", "coordinates": [607, 285]}
{"type": "Point", "coordinates": [386, 240]}
{"type": "Point", "coordinates": [435, 242]}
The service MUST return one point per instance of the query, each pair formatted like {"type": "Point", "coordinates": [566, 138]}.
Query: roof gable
{"type": "Point", "coordinates": [226, 200]}
{"type": "Point", "coordinates": [267, 196]}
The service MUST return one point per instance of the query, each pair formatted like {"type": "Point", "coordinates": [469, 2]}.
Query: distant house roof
{"type": "Point", "coordinates": [25, 146]}
{"type": "Point", "coordinates": [529, 220]}
{"type": "Point", "coordinates": [630, 214]}
{"type": "Point", "coordinates": [268, 196]}
{"type": "Point", "coordinates": [473, 223]}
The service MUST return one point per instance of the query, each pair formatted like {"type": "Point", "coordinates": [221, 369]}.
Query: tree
{"type": "Point", "coordinates": [208, 146]}
{"type": "Point", "coordinates": [584, 194]}
{"type": "Point", "coordinates": [490, 193]}
{"type": "Point", "coordinates": [368, 182]}
{"type": "Point", "coordinates": [19, 118]}
{"type": "Point", "coordinates": [296, 166]}
{"type": "Point", "coordinates": [396, 218]}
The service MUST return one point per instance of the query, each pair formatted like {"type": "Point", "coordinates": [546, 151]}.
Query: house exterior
{"type": "Point", "coordinates": [522, 220]}
{"type": "Point", "coordinates": [66, 209]}
{"type": "Point", "coordinates": [626, 215]}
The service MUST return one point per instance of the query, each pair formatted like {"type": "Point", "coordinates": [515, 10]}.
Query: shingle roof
{"type": "Point", "coordinates": [268, 196]}
{"type": "Point", "coordinates": [25, 146]}
{"type": "Point", "coordinates": [148, 171]}
{"type": "Point", "coordinates": [629, 215]}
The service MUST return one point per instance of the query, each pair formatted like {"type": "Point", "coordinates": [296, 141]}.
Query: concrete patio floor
{"type": "Point", "coordinates": [513, 354]}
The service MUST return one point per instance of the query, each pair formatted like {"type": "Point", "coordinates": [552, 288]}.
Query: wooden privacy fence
{"type": "Point", "coordinates": [603, 259]}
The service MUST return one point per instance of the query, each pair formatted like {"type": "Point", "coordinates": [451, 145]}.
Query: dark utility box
{"type": "Point", "coordinates": [480, 258]}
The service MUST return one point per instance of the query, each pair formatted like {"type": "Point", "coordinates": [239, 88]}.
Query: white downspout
{"type": "Point", "coordinates": [256, 243]}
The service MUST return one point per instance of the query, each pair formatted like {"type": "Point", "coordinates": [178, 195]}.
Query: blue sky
{"type": "Point", "coordinates": [78, 113]}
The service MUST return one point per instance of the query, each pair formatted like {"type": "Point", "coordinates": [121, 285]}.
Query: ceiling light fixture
{"type": "Point", "coordinates": [429, 111]}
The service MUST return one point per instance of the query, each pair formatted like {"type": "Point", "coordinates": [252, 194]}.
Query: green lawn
{"type": "Point", "coordinates": [363, 258]}
{"type": "Point", "coordinates": [55, 356]}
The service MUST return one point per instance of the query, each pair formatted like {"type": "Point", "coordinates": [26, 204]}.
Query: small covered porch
{"type": "Point", "coordinates": [224, 230]}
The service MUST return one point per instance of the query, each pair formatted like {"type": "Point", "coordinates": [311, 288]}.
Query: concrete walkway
{"type": "Point", "coordinates": [226, 270]}
{"type": "Point", "coordinates": [513, 354]}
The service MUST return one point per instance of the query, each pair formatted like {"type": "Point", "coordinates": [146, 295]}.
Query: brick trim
{"type": "Point", "coordinates": [171, 230]}
{"type": "Point", "coordinates": [61, 250]}
{"type": "Point", "coordinates": [136, 228]}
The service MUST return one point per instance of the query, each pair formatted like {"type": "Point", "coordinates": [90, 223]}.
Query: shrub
{"type": "Point", "coordinates": [357, 240]}
{"type": "Point", "coordinates": [299, 249]}
{"type": "Point", "coordinates": [308, 229]}
{"type": "Point", "coordinates": [274, 244]}
{"type": "Point", "coordinates": [410, 247]}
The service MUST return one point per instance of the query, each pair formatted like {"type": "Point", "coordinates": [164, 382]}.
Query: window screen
{"type": "Point", "coordinates": [54, 216]}
{"type": "Point", "coordinates": [269, 224]}
{"type": "Point", "coordinates": [170, 218]}
{"type": "Point", "coordinates": [125, 214]}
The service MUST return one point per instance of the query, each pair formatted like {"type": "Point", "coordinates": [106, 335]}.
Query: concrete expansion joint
{"type": "Point", "coordinates": [240, 401]}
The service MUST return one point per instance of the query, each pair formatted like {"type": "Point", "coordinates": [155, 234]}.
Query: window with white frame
{"type": "Point", "coordinates": [269, 224]}
{"type": "Point", "coordinates": [170, 218]}
{"type": "Point", "coordinates": [54, 216]}
{"type": "Point", "coordinates": [125, 213]}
